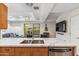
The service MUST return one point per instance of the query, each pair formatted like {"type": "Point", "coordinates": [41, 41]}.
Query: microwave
{"type": "Point", "coordinates": [61, 26]}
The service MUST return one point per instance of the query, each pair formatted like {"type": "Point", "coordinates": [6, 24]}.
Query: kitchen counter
{"type": "Point", "coordinates": [15, 42]}
{"type": "Point", "coordinates": [48, 42]}
{"type": "Point", "coordinates": [13, 45]}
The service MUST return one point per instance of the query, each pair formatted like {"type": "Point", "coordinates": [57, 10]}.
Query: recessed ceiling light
{"type": "Point", "coordinates": [36, 7]}
{"type": "Point", "coordinates": [29, 4]}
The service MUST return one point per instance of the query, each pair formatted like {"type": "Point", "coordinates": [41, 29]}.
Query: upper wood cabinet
{"type": "Point", "coordinates": [3, 16]}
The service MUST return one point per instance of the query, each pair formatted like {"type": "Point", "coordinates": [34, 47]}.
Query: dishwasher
{"type": "Point", "coordinates": [60, 51]}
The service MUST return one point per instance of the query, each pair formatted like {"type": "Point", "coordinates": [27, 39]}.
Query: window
{"type": "Point", "coordinates": [14, 30]}
{"type": "Point", "coordinates": [32, 30]}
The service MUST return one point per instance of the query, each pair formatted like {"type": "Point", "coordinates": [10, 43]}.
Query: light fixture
{"type": "Point", "coordinates": [36, 8]}
{"type": "Point", "coordinates": [29, 4]}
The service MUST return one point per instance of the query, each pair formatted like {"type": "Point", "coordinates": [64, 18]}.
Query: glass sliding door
{"type": "Point", "coordinates": [32, 30]}
{"type": "Point", "coordinates": [36, 30]}
{"type": "Point", "coordinates": [28, 30]}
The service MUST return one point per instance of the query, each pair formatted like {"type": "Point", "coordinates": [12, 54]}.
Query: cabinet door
{"type": "Point", "coordinates": [39, 51]}
{"type": "Point", "coordinates": [6, 51]}
{"type": "Point", "coordinates": [20, 51]}
{"type": "Point", "coordinates": [3, 16]}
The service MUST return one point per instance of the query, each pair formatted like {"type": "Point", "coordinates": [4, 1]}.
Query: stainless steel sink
{"type": "Point", "coordinates": [38, 42]}
{"type": "Point", "coordinates": [32, 42]}
{"type": "Point", "coordinates": [26, 42]}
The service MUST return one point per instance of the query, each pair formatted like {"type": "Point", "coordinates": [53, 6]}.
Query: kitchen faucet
{"type": "Point", "coordinates": [32, 39]}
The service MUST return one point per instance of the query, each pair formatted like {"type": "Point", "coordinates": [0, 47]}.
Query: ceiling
{"type": "Point", "coordinates": [60, 8]}
{"type": "Point", "coordinates": [44, 11]}
{"type": "Point", "coordinates": [64, 7]}
{"type": "Point", "coordinates": [21, 9]}
{"type": "Point", "coordinates": [18, 9]}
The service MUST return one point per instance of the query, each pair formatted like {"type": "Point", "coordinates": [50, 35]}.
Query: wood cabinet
{"type": "Point", "coordinates": [33, 51]}
{"type": "Point", "coordinates": [6, 51]}
{"type": "Point", "coordinates": [3, 16]}
{"type": "Point", "coordinates": [23, 51]}
{"type": "Point", "coordinates": [42, 51]}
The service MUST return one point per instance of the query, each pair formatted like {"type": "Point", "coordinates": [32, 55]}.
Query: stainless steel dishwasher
{"type": "Point", "coordinates": [60, 51]}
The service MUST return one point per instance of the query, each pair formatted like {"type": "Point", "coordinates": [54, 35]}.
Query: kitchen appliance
{"type": "Point", "coordinates": [61, 26]}
{"type": "Point", "coordinates": [60, 51]}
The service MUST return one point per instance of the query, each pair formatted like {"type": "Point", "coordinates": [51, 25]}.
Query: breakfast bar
{"type": "Point", "coordinates": [17, 48]}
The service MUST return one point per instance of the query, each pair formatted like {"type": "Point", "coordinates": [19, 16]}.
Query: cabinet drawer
{"type": "Point", "coordinates": [22, 51]}
{"type": "Point", "coordinates": [4, 50]}
{"type": "Point", "coordinates": [39, 49]}
{"type": "Point", "coordinates": [42, 53]}
{"type": "Point", "coordinates": [4, 54]}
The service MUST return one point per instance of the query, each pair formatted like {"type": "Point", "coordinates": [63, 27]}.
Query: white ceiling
{"type": "Point", "coordinates": [60, 8]}
{"type": "Point", "coordinates": [64, 7]}
{"type": "Point", "coordinates": [18, 9]}
{"type": "Point", "coordinates": [21, 9]}
{"type": "Point", "coordinates": [46, 10]}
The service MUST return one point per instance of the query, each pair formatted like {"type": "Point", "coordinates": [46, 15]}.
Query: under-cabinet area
{"type": "Point", "coordinates": [37, 51]}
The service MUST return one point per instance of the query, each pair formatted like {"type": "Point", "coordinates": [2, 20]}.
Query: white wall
{"type": "Point", "coordinates": [18, 28]}
{"type": "Point", "coordinates": [66, 16]}
{"type": "Point", "coordinates": [51, 28]}
{"type": "Point", "coordinates": [14, 27]}
{"type": "Point", "coordinates": [67, 36]}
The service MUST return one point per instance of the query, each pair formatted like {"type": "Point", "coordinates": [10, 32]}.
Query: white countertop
{"type": "Point", "coordinates": [15, 42]}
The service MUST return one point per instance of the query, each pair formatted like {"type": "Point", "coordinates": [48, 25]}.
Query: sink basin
{"type": "Point", "coordinates": [26, 42]}
{"type": "Point", "coordinates": [38, 42]}
{"type": "Point", "coordinates": [32, 42]}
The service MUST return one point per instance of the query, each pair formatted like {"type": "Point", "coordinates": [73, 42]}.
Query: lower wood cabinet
{"type": "Point", "coordinates": [24, 51]}
{"type": "Point", "coordinates": [6, 51]}
{"type": "Point", "coordinates": [43, 51]}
